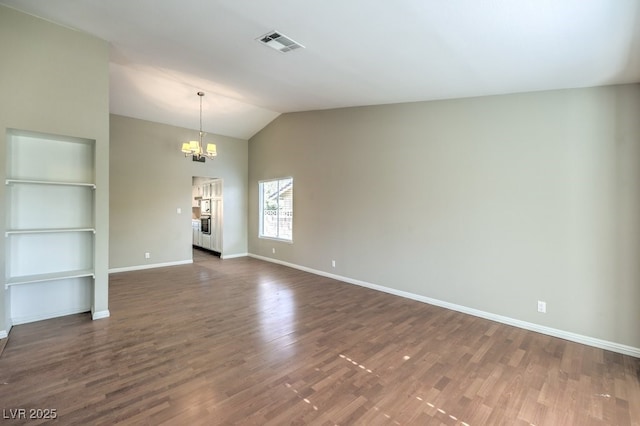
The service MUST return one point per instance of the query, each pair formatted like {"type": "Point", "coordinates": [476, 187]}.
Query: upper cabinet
{"type": "Point", "coordinates": [212, 189]}
{"type": "Point", "coordinates": [207, 189]}
{"type": "Point", "coordinates": [216, 188]}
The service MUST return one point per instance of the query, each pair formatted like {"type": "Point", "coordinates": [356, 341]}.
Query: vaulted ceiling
{"type": "Point", "coordinates": [357, 52]}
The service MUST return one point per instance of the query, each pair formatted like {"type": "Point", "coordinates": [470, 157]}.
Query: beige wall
{"type": "Point", "coordinates": [490, 203]}
{"type": "Point", "coordinates": [151, 179]}
{"type": "Point", "coordinates": [55, 80]}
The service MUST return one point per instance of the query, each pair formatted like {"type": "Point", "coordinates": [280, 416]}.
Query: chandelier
{"type": "Point", "coordinates": [194, 149]}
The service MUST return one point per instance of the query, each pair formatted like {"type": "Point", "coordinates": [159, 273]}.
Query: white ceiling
{"type": "Point", "coordinates": [358, 52]}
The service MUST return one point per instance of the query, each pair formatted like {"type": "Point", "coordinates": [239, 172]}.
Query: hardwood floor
{"type": "Point", "coordinates": [247, 342]}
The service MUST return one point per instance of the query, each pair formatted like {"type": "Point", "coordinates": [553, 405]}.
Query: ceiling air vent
{"type": "Point", "coordinates": [279, 41]}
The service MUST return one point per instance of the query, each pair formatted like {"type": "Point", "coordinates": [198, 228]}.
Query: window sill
{"type": "Point", "coordinates": [281, 240]}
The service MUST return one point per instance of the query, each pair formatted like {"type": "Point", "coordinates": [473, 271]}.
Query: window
{"type": "Point", "coordinates": [276, 209]}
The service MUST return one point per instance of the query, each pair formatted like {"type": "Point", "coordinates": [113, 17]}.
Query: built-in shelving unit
{"type": "Point", "coordinates": [50, 231]}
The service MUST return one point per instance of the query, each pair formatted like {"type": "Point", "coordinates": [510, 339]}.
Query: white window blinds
{"type": "Point", "coordinates": [276, 209]}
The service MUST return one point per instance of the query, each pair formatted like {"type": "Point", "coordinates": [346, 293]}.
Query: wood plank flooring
{"type": "Point", "coordinates": [247, 342]}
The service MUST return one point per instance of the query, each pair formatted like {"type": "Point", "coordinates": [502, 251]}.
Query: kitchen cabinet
{"type": "Point", "coordinates": [211, 189]}
{"type": "Point", "coordinates": [216, 225]}
{"type": "Point", "coordinates": [216, 188]}
{"type": "Point", "coordinates": [195, 202]}
{"type": "Point", "coordinates": [195, 230]}
{"type": "Point", "coordinates": [206, 241]}
{"type": "Point", "coordinates": [50, 233]}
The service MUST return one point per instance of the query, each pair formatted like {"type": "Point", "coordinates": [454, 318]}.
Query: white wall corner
{"type": "Point", "coordinates": [573, 337]}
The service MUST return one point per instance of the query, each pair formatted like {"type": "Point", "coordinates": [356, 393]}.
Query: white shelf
{"type": "Point", "coordinates": [47, 231]}
{"type": "Point", "coordinates": [53, 276]}
{"type": "Point", "coordinates": [50, 224]}
{"type": "Point", "coordinates": [46, 182]}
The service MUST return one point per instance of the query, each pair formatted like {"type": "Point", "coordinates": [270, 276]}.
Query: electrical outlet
{"type": "Point", "coordinates": [542, 306]}
{"type": "Point", "coordinates": [147, 255]}
{"type": "Point", "coordinates": [273, 250]}
{"type": "Point", "coordinates": [333, 263]}
{"type": "Point", "coordinates": [179, 210]}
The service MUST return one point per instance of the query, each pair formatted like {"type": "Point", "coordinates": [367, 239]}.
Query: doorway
{"type": "Point", "coordinates": [206, 214]}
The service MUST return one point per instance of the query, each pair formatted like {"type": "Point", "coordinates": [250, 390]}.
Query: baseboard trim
{"type": "Point", "coordinates": [233, 256]}
{"type": "Point", "coordinates": [566, 335]}
{"type": "Point", "coordinates": [4, 334]}
{"type": "Point", "coordinates": [150, 266]}
{"type": "Point", "coordinates": [100, 315]}
{"type": "Point", "coordinates": [34, 318]}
